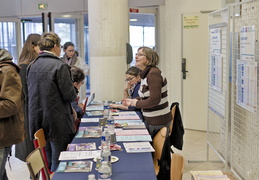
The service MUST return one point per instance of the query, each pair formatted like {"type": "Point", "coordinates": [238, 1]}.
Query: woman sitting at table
{"type": "Point", "coordinates": [131, 88]}
{"type": "Point", "coordinates": [153, 92]}
{"type": "Point", "coordinates": [78, 77]}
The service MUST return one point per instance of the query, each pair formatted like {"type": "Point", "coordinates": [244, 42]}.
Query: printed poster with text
{"type": "Point", "coordinates": [216, 72]}
{"type": "Point", "coordinates": [215, 40]}
{"type": "Point", "coordinates": [247, 85]}
{"type": "Point", "coordinates": [247, 43]}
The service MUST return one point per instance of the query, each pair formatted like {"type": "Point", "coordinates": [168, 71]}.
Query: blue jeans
{"type": "Point", "coordinates": [3, 158]}
{"type": "Point", "coordinates": [53, 149]}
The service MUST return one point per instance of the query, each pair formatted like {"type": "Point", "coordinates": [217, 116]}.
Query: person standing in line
{"type": "Point", "coordinates": [72, 58]}
{"type": "Point", "coordinates": [11, 108]}
{"type": "Point", "coordinates": [50, 92]}
{"type": "Point", "coordinates": [153, 92]}
{"type": "Point", "coordinates": [29, 52]}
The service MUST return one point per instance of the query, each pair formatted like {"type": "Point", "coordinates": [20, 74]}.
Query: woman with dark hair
{"type": "Point", "coordinates": [131, 87]}
{"type": "Point", "coordinates": [29, 52]}
{"type": "Point", "coordinates": [78, 78]}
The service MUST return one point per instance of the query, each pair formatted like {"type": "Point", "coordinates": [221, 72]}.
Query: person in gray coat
{"type": "Point", "coordinates": [50, 92]}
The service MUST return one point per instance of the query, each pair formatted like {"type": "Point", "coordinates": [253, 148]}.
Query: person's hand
{"type": "Point", "coordinates": [81, 105]}
{"type": "Point", "coordinates": [113, 106]}
{"type": "Point", "coordinates": [129, 102]}
{"type": "Point", "coordinates": [126, 87]}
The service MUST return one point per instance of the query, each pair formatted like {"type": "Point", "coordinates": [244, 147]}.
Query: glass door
{"type": "Point", "coordinates": [10, 36]}
{"type": "Point", "coordinates": [142, 29]}
{"type": "Point", "coordinates": [69, 27]}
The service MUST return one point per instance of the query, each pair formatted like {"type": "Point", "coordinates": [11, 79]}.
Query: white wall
{"type": "Point", "coordinates": [170, 39]}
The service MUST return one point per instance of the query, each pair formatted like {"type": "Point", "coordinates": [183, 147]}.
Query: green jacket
{"type": "Point", "coordinates": [11, 111]}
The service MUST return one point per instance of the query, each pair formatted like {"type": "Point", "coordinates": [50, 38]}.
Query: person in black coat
{"type": "Point", "coordinates": [50, 92]}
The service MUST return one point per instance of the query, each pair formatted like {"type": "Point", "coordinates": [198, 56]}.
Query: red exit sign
{"type": "Point", "coordinates": [134, 10]}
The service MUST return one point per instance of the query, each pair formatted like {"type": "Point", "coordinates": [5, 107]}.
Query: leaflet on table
{"type": "Point", "coordinates": [86, 120]}
{"type": "Point", "coordinates": [81, 147]}
{"type": "Point", "coordinates": [134, 138]}
{"type": "Point", "coordinates": [76, 155]}
{"type": "Point", "coordinates": [127, 115]}
{"type": "Point", "coordinates": [89, 132]}
{"type": "Point", "coordinates": [75, 166]}
{"type": "Point", "coordinates": [94, 113]}
{"type": "Point", "coordinates": [95, 108]}
{"type": "Point", "coordinates": [137, 147]}
{"type": "Point", "coordinates": [125, 124]}
{"type": "Point", "coordinates": [120, 132]}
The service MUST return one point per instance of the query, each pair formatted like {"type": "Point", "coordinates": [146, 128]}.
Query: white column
{"type": "Point", "coordinates": [108, 35]}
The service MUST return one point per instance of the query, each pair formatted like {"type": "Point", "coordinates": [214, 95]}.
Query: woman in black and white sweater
{"type": "Point", "coordinates": [153, 92]}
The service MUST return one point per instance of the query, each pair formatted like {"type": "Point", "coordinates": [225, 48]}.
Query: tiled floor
{"type": "Point", "coordinates": [194, 149]}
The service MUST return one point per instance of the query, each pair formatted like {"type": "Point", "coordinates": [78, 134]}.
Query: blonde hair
{"type": "Point", "coordinates": [151, 55]}
{"type": "Point", "coordinates": [48, 41]}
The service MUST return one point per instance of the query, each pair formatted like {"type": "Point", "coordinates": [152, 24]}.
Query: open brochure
{"type": "Point", "coordinates": [89, 132]}
{"type": "Point", "coordinates": [75, 166]}
{"type": "Point", "coordinates": [81, 147]}
{"type": "Point", "coordinates": [138, 147]}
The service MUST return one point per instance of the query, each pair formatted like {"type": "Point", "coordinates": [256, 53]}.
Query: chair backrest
{"type": "Point", "coordinates": [177, 167]}
{"type": "Point", "coordinates": [40, 137]}
{"type": "Point", "coordinates": [158, 143]}
{"type": "Point", "coordinates": [36, 163]}
{"type": "Point", "coordinates": [40, 142]}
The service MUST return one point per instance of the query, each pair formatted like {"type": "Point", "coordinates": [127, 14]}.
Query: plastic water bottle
{"type": "Point", "coordinates": [110, 124]}
{"type": "Point", "coordinates": [111, 129]}
{"type": "Point", "coordinates": [91, 177]}
{"type": "Point", "coordinates": [105, 139]}
{"type": "Point", "coordinates": [104, 171]}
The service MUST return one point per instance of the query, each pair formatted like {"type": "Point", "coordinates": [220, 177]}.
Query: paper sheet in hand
{"type": "Point", "coordinates": [76, 155]}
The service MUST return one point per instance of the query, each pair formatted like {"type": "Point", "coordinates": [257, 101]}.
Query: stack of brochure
{"type": "Point", "coordinates": [138, 147]}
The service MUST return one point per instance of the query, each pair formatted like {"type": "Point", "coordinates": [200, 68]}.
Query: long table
{"type": "Point", "coordinates": [131, 166]}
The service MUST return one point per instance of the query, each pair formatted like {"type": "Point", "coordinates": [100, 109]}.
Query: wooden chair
{"type": "Point", "coordinates": [40, 142]}
{"type": "Point", "coordinates": [35, 164]}
{"type": "Point", "coordinates": [177, 167]}
{"type": "Point", "coordinates": [158, 143]}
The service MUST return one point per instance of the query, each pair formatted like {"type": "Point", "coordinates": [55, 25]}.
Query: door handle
{"type": "Point", "coordinates": [184, 68]}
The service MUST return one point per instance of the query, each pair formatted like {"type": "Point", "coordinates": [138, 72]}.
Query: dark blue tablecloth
{"type": "Point", "coordinates": [131, 166]}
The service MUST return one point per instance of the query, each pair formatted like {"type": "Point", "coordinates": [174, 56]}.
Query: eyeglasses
{"type": "Point", "coordinates": [129, 79]}
{"type": "Point", "coordinates": [138, 54]}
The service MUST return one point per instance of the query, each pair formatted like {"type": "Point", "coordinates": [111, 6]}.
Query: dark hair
{"type": "Point", "coordinates": [28, 54]}
{"type": "Point", "coordinates": [77, 74]}
{"type": "Point", "coordinates": [68, 44]}
{"type": "Point", "coordinates": [48, 41]}
{"type": "Point", "coordinates": [134, 71]}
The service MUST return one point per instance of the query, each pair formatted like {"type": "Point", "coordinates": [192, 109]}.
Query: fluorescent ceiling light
{"type": "Point", "coordinates": [133, 20]}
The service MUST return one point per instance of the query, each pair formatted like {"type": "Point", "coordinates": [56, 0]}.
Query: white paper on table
{"type": "Point", "coordinates": [120, 132]}
{"type": "Point", "coordinates": [85, 120]}
{"type": "Point", "coordinates": [75, 155]}
{"type": "Point", "coordinates": [137, 147]}
{"type": "Point", "coordinates": [134, 138]}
